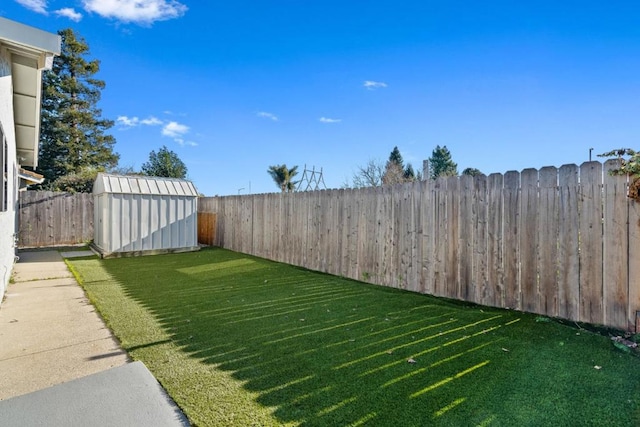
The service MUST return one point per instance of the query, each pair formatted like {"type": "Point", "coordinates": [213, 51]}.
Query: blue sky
{"type": "Point", "coordinates": [234, 87]}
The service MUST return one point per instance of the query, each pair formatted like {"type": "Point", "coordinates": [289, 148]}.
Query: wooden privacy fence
{"type": "Point", "coordinates": [207, 228]}
{"type": "Point", "coordinates": [560, 242]}
{"type": "Point", "coordinates": [46, 218]}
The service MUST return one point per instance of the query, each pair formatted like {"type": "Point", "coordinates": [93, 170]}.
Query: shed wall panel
{"type": "Point", "coordinates": [143, 214]}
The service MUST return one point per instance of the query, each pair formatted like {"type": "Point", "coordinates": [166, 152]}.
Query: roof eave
{"type": "Point", "coordinates": [31, 50]}
{"type": "Point", "coordinates": [31, 38]}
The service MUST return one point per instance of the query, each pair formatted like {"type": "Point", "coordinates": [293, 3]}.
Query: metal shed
{"type": "Point", "coordinates": [139, 214]}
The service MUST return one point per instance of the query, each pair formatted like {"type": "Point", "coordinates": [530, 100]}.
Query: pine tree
{"type": "Point", "coordinates": [409, 173]}
{"type": "Point", "coordinates": [72, 134]}
{"type": "Point", "coordinates": [164, 163]}
{"type": "Point", "coordinates": [394, 169]}
{"type": "Point", "coordinates": [396, 157]}
{"type": "Point", "coordinates": [472, 172]}
{"type": "Point", "coordinates": [441, 163]}
{"type": "Point", "coordinates": [396, 173]}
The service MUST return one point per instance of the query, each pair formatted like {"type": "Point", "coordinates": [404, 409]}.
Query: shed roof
{"type": "Point", "coordinates": [133, 184]}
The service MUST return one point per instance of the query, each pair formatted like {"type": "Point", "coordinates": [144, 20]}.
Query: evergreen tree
{"type": "Point", "coordinates": [393, 174]}
{"type": "Point", "coordinates": [441, 163]}
{"type": "Point", "coordinates": [164, 163]}
{"type": "Point", "coordinates": [472, 172]}
{"type": "Point", "coordinates": [283, 177]}
{"type": "Point", "coordinates": [410, 175]}
{"type": "Point", "coordinates": [72, 134]}
{"type": "Point", "coordinates": [394, 169]}
{"type": "Point", "coordinates": [396, 157]}
{"type": "Point", "coordinates": [76, 182]}
{"type": "Point", "coordinates": [396, 173]}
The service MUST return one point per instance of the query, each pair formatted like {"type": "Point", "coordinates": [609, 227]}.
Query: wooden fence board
{"type": "Point", "coordinates": [427, 232]}
{"type": "Point", "coordinates": [466, 291]}
{"type": "Point", "coordinates": [511, 244]}
{"type": "Point", "coordinates": [387, 237]}
{"type": "Point", "coordinates": [361, 245]}
{"type": "Point", "coordinates": [440, 237]}
{"type": "Point", "coordinates": [279, 227]}
{"type": "Point", "coordinates": [324, 230]}
{"type": "Point", "coordinates": [326, 256]}
{"type": "Point", "coordinates": [615, 249]}
{"type": "Point", "coordinates": [304, 227]}
{"type": "Point", "coordinates": [528, 240]}
{"type": "Point", "coordinates": [568, 244]}
{"type": "Point", "coordinates": [207, 228]}
{"type": "Point", "coordinates": [334, 241]}
{"type": "Point", "coordinates": [482, 293]}
{"type": "Point", "coordinates": [246, 204]}
{"type": "Point", "coordinates": [548, 241]}
{"type": "Point", "coordinates": [268, 227]}
{"type": "Point", "coordinates": [367, 256]}
{"type": "Point", "coordinates": [590, 211]}
{"type": "Point", "coordinates": [495, 240]}
{"type": "Point", "coordinates": [405, 228]}
{"type": "Point", "coordinates": [418, 235]}
{"type": "Point", "coordinates": [259, 226]}
{"type": "Point", "coordinates": [413, 276]}
{"type": "Point", "coordinates": [452, 227]}
{"type": "Point", "coordinates": [395, 240]}
{"type": "Point", "coordinates": [346, 232]}
{"type": "Point", "coordinates": [296, 231]}
{"type": "Point", "coordinates": [633, 319]}
{"type": "Point", "coordinates": [340, 225]}
{"type": "Point", "coordinates": [320, 200]}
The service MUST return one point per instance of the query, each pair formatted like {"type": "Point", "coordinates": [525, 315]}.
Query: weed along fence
{"type": "Point", "coordinates": [46, 218]}
{"type": "Point", "coordinates": [560, 242]}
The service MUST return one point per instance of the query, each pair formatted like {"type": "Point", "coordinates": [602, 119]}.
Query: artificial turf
{"type": "Point", "coordinates": [238, 340]}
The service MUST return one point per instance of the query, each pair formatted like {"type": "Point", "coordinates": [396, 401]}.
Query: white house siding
{"type": "Point", "coordinates": [8, 217]}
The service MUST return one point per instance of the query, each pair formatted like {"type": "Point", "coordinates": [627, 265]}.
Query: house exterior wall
{"type": "Point", "coordinates": [8, 216]}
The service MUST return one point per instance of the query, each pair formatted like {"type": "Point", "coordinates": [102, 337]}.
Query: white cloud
{"type": "Point", "coordinates": [70, 13]}
{"type": "Point", "coordinates": [127, 121]}
{"type": "Point", "coordinates": [143, 12]}
{"type": "Point", "coordinates": [328, 120]}
{"type": "Point", "coordinates": [181, 142]}
{"type": "Point", "coordinates": [38, 6]}
{"type": "Point", "coordinates": [135, 121]}
{"type": "Point", "coordinates": [175, 130]}
{"type": "Point", "coordinates": [267, 115]}
{"type": "Point", "coordinates": [371, 85]}
{"type": "Point", "coordinates": [171, 129]}
{"type": "Point", "coordinates": [151, 121]}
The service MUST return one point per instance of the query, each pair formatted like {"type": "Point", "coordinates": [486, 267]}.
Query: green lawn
{"type": "Point", "coordinates": [238, 340]}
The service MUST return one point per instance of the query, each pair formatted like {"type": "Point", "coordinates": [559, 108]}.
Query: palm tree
{"type": "Point", "coordinates": [283, 176]}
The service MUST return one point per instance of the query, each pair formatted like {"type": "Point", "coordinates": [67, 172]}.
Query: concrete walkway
{"type": "Point", "coordinates": [49, 331]}
{"type": "Point", "coordinates": [51, 334]}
